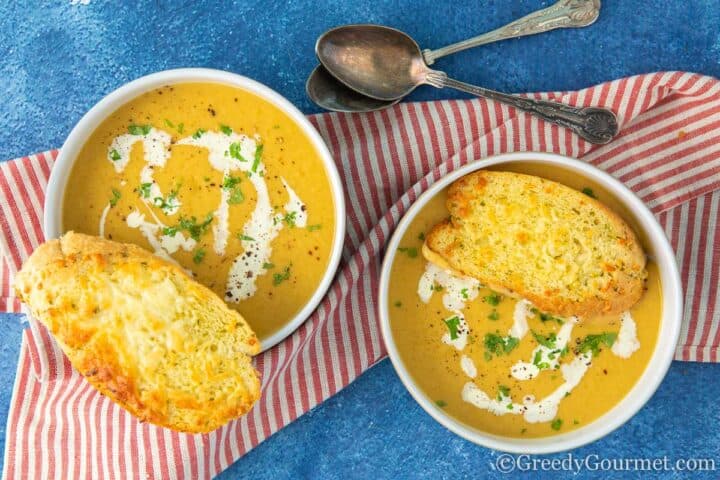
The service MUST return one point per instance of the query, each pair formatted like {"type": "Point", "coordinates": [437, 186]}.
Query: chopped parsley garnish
{"type": "Point", "coordinates": [115, 197]}
{"type": "Point", "coordinates": [421, 237]}
{"type": "Point", "coordinates": [546, 317]}
{"type": "Point", "coordinates": [588, 191]}
{"type": "Point", "coordinates": [548, 341]}
{"type": "Point", "coordinates": [509, 406]}
{"type": "Point", "coordinates": [493, 299]}
{"type": "Point", "coordinates": [576, 422]}
{"type": "Point", "coordinates": [229, 182]}
{"type": "Point", "coordinates": [594, 342]}
{"type": "Point", "coordinates": [169, 202]}
{"type": "Point", "coordinates": [114, 155]}
{"type": "Point", "coordinates": [453, 323]}
{"type": "Point", "coordinates": [441, 403]}
{"type": "Point", "coordinates": [191, 226]}
{"type": "Point", "coordinates": [279, 278]}
{"type": "Point", "coordinates": [226, 130]}
{"type": "Point", "coordinates": [504, 391]}
{"type": "Point", "coordinates": [537, 361]}
{"type": "Point", "coordinates": [179, 127]}
{"type": "Point", "coordinates": [258, 156]}
{"type": "Point", "coordinates": [314, 228]}
{"type": "Point", "coordinates": [139, 129]}
{"type": "Point", "coordinates": [464, 293]}
{"type": "Point", "coordinates": [268, 266]}
{"type": "Point", "coordinates": [232, 185]}
{"type": "Point", "coordinates": [246, 238]}
{"type": "Point", "coordinates": [436, 288]}
{"type": "Point", "coordinates": [498, 345]}
{"type": "Point", "coordinates": [556, 424]}
{"type": "Point", "coordinates": [290, 219]}
{"type": "Point", "coordinates": [144, 190]}
{"type": "Point", "coordinates": [411, 251]}
{"type": "Point", "coordinates": [199, 255]}
{"type": "Point", "coordinates": [235, 152]}
{"type": "Point", "coordinates": [494, 315]}
{"type": "Point", "coordinates": [170, 231]}
{"type": "Point", "coordinates": [198, 133]}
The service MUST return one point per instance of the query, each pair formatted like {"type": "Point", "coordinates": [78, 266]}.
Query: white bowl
{"type": "Point", "coordinates": [658, 247]}
{"type": "Point", "coordinates": [52, 224]}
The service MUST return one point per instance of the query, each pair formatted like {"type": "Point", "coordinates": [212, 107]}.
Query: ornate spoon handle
{"type": "Point", "coordinates": [563, 14]}
{"type": "Point", "coordinates": [596, 125]}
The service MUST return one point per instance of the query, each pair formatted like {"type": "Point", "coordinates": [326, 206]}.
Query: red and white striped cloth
{"type": "Point", "coordinates": [668, 153]}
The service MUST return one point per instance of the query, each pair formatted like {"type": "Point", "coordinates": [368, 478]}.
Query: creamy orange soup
{"type": "Point", "coordinates": [466, 349]}
{"type": "Point", "coordinates": [221, 182]}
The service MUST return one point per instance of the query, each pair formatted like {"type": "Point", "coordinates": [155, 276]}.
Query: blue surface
{"type": "Point", "coordinates": [58, 60]}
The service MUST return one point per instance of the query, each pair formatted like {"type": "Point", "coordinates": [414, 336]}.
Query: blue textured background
{"type": "Point", "coordinates": [57, 60]}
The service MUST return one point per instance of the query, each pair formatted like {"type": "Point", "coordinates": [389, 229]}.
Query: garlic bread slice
{"type": "Point", "coordinates": [143, 332]}
{"type": "Point", "coordinates": [562, 250]}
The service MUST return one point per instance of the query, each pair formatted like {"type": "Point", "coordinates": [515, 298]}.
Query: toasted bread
{"type": "Point", "coordinates": [143, 332]}
{"type": "Point", "coordinates": [532, 238]}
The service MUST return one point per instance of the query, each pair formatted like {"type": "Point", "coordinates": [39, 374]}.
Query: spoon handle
{"type": "Point", "coordinates": [594, 124]}
{"type": "Point", "coordinates": [563, 14]}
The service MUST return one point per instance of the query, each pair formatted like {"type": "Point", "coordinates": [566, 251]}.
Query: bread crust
{"type": "Point", "coordinates": [143, 332]}
{"type": "Point", "coordinates": [531, 238]}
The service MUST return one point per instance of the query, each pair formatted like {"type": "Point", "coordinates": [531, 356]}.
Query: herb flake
{"type": "Point", "coordinates": [411, 252]}
{"type": "Point", "coordinates": [594, 342]}
{"type": "Point", "coordinates": [115, 197]}
{"type": "Point", "coordinates": [199, 255]}
{"type": "Point", "coordinates": [453, 325]}
{"type": "Point", "coordinates": [279, 278]}
{"type": "Point", "coordinates": [139, 129]}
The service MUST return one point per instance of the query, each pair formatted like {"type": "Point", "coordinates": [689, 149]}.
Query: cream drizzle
{"type": "Point", "coordinates": [294, 204]}
{"type": "Point", "coordinates": [264, 223]}
{"type": "Point", "coordinates": [165, 245]}
{"type": "Point", "coordinates": [459, 290]}
{"type": "Point", "coordinates": [533, 412]}
{"type": "Point", "coordinates": [549, 357]}
{"type": "Point", "coordinates": [460, 341]}
{"type": "Point", "coordinates": [520, 314]}
{"type": "Point", "coordinates": [156, 151]}
{"type": "Point", "coordinates": [221, 227]}
{"type": "Point", "coordinates": [103, 219]}
{"type": "Point", "coordinates": [257, 234]}
{"type": "Point", "coordinates": [626, 342]}
{"type": "Point", "coordinates": [468, 366]}
{"type": "Point", "coordinates": [456, 290]}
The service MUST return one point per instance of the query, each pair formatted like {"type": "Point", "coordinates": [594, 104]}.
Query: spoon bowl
{"type": "Point", "coordinates": [331, 94]}
{"type": "Point", "coordinates": [382, 62]}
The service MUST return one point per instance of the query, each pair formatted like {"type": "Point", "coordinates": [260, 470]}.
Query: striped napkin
{"type": "Point", "coordinates": [668, 153]}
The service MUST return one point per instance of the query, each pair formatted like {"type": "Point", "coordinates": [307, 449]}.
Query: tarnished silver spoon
{"type": "Point", "coordinates": [388, 68]}
{"type": "Point", "coordinates": [331, 94]}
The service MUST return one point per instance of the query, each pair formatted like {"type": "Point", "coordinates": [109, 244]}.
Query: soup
{"type": "Point", "coordinates": [219, 181]}
{"type": "Point", "coordinates": [498, 364]}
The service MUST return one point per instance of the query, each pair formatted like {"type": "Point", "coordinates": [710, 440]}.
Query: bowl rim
{"type": "Point", "coordinates": [657, 366]}
{"type": "Point", "coordinates": [53, 206]}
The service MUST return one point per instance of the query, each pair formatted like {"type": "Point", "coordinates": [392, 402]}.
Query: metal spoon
{"type": "Point", "coordinates": [389, 68]}
{"type": "Point", "coordinates": [331, 94]}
